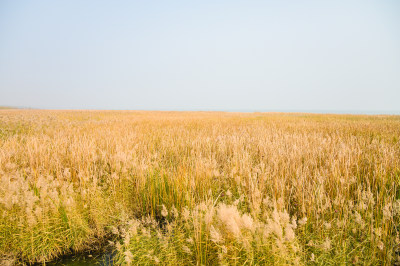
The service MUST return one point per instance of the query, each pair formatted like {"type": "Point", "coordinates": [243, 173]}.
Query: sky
{"type": "Point", "coordinates": [339, 56]}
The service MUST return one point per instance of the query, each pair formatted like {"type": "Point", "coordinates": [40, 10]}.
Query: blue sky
{"type": "Point", "coordinates": [201, 55]}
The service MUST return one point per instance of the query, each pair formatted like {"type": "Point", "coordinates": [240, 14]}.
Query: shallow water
{"type": "Point", "coordinates": [104, 259]}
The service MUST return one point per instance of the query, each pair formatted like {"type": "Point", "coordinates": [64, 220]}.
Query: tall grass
{"type": "Point", "coordinates": [200, 188]}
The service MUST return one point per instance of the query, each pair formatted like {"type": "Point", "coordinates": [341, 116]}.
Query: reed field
{"type": "Point", "coordinates": [200, 188]}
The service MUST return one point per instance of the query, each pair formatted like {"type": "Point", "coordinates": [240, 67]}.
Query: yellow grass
{"type": "Point", "coordinates": [200, 187]}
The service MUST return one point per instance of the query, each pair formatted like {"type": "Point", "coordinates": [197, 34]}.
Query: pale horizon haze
{"type": "Point", "coordinates": [323, 56]}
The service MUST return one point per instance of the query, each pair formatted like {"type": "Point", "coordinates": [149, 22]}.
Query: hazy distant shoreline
{"type": "Point", "coordinates": [312, 111]}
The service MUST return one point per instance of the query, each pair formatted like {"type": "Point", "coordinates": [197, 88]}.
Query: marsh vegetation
{"type": "Point", "coordinates": [200, 188]}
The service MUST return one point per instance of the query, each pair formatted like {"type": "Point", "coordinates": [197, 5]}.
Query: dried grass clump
{"type": "Point", "coordinates": [200, 188]}
{"type": "Point", "coordinates": [211, 235]}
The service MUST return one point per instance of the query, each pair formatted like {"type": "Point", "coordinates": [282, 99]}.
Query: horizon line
{"type": "Point", "coordinates": [228, 110]}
